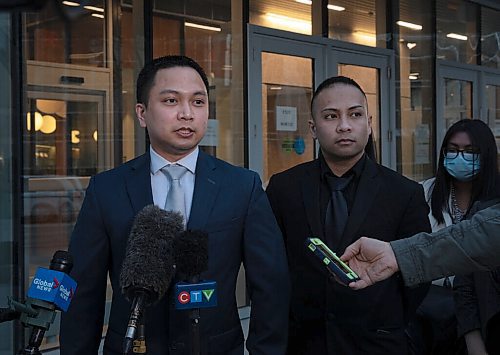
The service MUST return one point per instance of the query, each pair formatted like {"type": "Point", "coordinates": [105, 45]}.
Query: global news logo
{"type": "Point", "coordinates": [53, 286]}
{"type": "Point", "coordinates": [198, 295]}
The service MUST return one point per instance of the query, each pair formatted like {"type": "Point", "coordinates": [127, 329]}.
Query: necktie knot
{"type": "Point", "coordinates": [174, 171]}
{"type": "Point", "coordinates": [338, 183]}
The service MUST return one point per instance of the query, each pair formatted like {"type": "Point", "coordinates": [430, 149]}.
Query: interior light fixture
{"type": "Point", "coordinates": [300, 26]}
{"type": "Point", "coordinates": [410, 25]}
{"type": "Point", "coordinates": [329, 6]}
{"type": "Point", "coordinates": [413, 76]}
{"type": "Point", "coordinates": [335, 7]}
{"type": "Point", "coordinates": [93, 8]}
{"type": "Point", "coordinates": [48, 124]}
{"type": "Point", "coordinates": [75, 139]}
{"type": "Point", "coordinates": [94, 135]}
{"type": "Point", "coordinates": [411, 45]}
{"type": "Point", "coordinates": [70, 3]}
{"type": "Point", "coordinates": [275, 88]}
{"type": "Point", "coordinates": [38, 121]}
{"type": "Point", "coordinates": [457, 36]}
{"type": "Point", "coordinates": [366, 38]}
{"type": "Point", "coordinates": [97, 15]}
{"type": "Point", "coordinates": [203, 27]}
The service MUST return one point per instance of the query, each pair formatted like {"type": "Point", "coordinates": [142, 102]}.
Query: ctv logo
{"type": "Point", "coordinates": [195, 296]}
{"type": "Point", "coordinates": [199, 295]}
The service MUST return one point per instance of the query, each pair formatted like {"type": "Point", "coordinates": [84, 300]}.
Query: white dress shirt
{"type": "Point", "coordinates": [160, 184]}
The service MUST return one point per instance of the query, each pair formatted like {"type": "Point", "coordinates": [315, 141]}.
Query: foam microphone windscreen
{"type": "Point", "coordinates": [191, 253]}
{"type": "Point", "coordinates": [148, 265]}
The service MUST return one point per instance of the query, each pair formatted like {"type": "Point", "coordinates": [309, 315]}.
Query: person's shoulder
{"type": "Point", "coordinates": [296, 170]}
{"type": "Point", "coordinates": [140, 162]}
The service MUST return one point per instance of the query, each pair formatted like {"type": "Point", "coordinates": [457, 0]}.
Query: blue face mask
{"type": "Point", "coordinates": [463, 166]}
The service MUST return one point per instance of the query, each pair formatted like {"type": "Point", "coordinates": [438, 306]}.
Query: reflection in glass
{"type": "Point", "coordinates": [493, 110]}
{"type": "Point", "coordinates": [490, 38]}
{"type": "Point", "coordinates": [287, 83]}
{"type": "Point", "coordinates": [286, 15]}
{"type": "Point", "coordinates": [60, 33]}
{"type": "Point", "coordinates": [416, 90]}
{"type": "Point", "coordinates": [458, 101]}
{"type": "Point", "coordinates": [456, 36]}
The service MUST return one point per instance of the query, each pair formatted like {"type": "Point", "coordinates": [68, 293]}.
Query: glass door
{"type": "Point", "coordinates": [457, 97]}
{"type": "Point", "coordinates": [371, 71]}
{"type": "Point", "coordinates": [491, 104]}
{"type": "Point", "coordinates": [283, 73]}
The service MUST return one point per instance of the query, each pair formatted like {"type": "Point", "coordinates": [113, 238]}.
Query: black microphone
{"type": "Point", "coordinates": [191, 259]}
{"type": "Point", "coordinates": [148, 264]}
{"type": "Point", "coordinates": [51, 289]}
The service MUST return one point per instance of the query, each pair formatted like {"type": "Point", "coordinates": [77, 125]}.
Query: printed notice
{"type": "Point", "coordinates": [286, 118]}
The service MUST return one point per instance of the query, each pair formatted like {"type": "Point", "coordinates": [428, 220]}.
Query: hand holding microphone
{"type": "Point", "coordinates": [148, 265]}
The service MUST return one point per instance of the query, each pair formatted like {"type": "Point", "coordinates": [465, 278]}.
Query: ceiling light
{"type": "Point", "coordinates": [98, 15]}
{"type": "Point", "coordinates": [412, 77]}
{"type": "Point", "coordinates": [48, 124]}
{"type": "Point", "coordinates": [411, 45]}
{"type": "Point", "coordinates": [335, 7]}
{"type": "Point", "coordinates": [290, 23]}
{"type": "Point", "coordinates": [203, 27]}
{"type": "Point", "coordinates": [329, 6]}
{"type": "Point", "coordinates": [409, 25]}
{"type": "Point", "coordinates": [94, 8]}
{"type": "Point", "coordinates": [70, 3]}
{"type": "Point", "coordinates": [457, 36]}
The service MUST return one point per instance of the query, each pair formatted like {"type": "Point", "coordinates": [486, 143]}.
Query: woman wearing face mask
{"type": "Point", "coordinates": [467, 174]}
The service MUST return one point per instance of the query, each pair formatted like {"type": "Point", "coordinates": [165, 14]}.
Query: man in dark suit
{"type": "Point", "coordinates": [326, 317]}
{"type": "Point", "coordinates": [226, 201]}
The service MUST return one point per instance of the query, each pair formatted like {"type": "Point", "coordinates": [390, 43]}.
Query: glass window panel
{"type": "Point", "coordinates": [287, 83]}
{"type": "Point", "coordinates": [67, 34]}
{"type": "Point", "coordinates": [458, 101]}
{"type": "Point", "coordinates": [415, 123]}
{"type": "Point", "coordinates": [287, 15]}
{"type": "Point", "coordinates": [493, 110]}
{"type": "Point", "coordinates": [457, 38]}
{"type": "Point", "coordinates": [356, 22]}
{"type": "Point", "coordinates": [490, 37]}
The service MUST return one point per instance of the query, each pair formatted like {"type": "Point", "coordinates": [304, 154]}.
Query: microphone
{"type": "Point", "coordinates": [148, 264]}
{"type": "Point", "coordinates": [51, 289]}
{"type": "Point", "coordinates": [191, 259]}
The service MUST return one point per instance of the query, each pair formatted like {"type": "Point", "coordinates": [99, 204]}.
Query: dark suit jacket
{"type": "Point", "coordinates": [230, 204]}
{"type": "Point", "coordinates": [325, 317]}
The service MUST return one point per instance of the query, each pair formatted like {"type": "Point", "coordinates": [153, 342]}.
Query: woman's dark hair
{"type": "Point", "coordinates": [485, 184]}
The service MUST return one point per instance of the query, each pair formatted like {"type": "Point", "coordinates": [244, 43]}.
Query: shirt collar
{"type": "Point", "coordinates": [356, 170]}
{"type": "Point", "coordinates": [158, 162]}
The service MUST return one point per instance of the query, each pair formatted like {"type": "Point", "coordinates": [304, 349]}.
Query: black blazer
{"type": "Point", "coordinates": [230, 204]}
{"type": "Point", "coordinates": [325, 317]}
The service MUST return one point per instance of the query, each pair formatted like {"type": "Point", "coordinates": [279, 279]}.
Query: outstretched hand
{"type": "Point", "coordinates": [373, 260]}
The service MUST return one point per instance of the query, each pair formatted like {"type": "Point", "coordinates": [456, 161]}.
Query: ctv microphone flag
{"type": "Point", "coordinates": [195, 295]}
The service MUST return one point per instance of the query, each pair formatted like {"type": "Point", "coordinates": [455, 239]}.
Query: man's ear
{"type": "Point", "coordinates": [312, 128]}
{"type": "Point", "coordinates": [140, 111]}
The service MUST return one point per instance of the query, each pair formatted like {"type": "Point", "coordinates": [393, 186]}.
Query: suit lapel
{"type": "Point", "coordinates": [366, 192]}
{"type": "Point", "coordinates": [206, 187]}
{"type": "Point", "coordinates": [138, 183]}
{"type": "Point", "coordinates": [310, 185]}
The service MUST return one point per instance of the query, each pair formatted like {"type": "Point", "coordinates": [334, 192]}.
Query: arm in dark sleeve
{"type": "Point", "coordinates": [81, 326]}
{"type": "Point", "coordinates": [267, 275]}
{"type": "Point", "coordinates": [466, 305]}
{"type": "Point", "coordinates": [471, 245]}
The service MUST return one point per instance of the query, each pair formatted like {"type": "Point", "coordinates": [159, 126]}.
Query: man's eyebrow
{"type": "Point", "coordinates": [336, 109]}
{"type": "Point", "coordinates": [171, 91]}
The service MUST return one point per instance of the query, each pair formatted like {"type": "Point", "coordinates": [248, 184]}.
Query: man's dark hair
{"type": "Point", "coordinates": [146, 77]}
{"type": "Point", "coordinates": [331, 82]}
{"type": "Point", "coordinates": [370, 145]}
